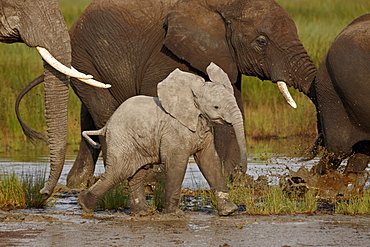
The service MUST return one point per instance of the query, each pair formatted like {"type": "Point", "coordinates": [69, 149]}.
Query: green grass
{"type": "Point", "coordinates": [318, 22]}
{"type": "Point", "coordinates": [11, 191]}
{"type": "Point", "coordinates": [355, 205]}
{"type": "Point", "coordinates": [32, 184]}
{"type": "Point", "coordinates": [22, 191]}
{"type": "Point", "coordinates": [116, 198]}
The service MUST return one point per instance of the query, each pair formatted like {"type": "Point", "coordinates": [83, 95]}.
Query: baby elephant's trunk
{"type": "Point", "coordinates": [234, 116]}
{"type": "Point", "coordinates": [86, 134]}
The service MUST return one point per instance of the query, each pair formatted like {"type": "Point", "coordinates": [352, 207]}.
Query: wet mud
{"type": "Point", "coordinates": [327, 187]}
{"type": "Point", "coordinates": [195, 229]}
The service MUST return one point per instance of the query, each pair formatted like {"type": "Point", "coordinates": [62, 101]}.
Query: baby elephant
{"type": "Point", "coordinates": [168, 129]}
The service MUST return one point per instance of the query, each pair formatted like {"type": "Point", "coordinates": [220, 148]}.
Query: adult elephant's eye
{"type": "Point", "coordinates": [261, 41]}
{"type": "Point", "coordinates": [216, 107]}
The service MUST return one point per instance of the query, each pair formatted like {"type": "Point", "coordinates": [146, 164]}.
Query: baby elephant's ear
{"type": "Point", "coordinates": [176, 96]}
{"type": "Point", "coordinates": [217, 75]}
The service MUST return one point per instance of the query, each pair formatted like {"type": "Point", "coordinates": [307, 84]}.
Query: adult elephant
{"type": "Point", "coordinates": [40, 23]}
{"type": "Point", "coordinates": [342, 89]}
{"type": "Point", "coordinates": [134, 44]}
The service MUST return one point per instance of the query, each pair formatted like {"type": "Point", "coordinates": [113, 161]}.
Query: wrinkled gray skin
{"type": "Point", "coordinates": [168, 129]}
{"type": "Point", "coordinates": [134, 44]}
{"type": "Point", "coordinates": [341, 94]}
{"type": "Point", "coordinates": [41, 23]}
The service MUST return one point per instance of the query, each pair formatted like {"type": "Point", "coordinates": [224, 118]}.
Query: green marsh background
{"type": "Point", "coordinates": [267, 113]}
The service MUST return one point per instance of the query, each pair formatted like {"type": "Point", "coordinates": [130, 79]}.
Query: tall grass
{"type": "Point", "coordinates": [22, 191]}
{"type": "Point", "coordinates": [11, 191]}
{"type": "Point", "coordinates": [318, 22]}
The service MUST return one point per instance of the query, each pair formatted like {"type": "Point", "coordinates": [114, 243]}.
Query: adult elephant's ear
{"type": "Point", "coordinates": [176, 96]}
{"type": "Point", "coordinates": [197, 34]}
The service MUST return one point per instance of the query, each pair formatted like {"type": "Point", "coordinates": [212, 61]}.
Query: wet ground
{"type": "Point", "coordinates": [196, 229]}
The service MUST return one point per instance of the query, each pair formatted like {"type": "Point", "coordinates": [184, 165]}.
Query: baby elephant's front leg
{"type": "Point", "coordinates": [210, 165]}
{"type": "Point", "coordinates": [175, 172]}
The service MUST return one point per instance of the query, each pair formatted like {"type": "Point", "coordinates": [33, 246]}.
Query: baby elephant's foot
{"type": "Point", "coordinates": [173, 214]}
{"type": "Point", "coordinates": [142, 210]}
{"type": "Point", "coordinates": [224, 206]}
{"type": "Point", "coordinates": [84, 199]}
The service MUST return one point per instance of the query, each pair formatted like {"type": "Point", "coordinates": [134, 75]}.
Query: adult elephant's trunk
{"type": "Point", "coordinates": [234, 116]}
{"type": "Point", "coordinates": [302, 69]}
{"type": "Point", "coordinates": [56, 101]}
{"type": "Point", "coordinates": [46, 28]}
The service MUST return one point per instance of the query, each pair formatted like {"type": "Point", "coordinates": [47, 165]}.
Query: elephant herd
{"type": "Point", "coordinates": [147, 48]}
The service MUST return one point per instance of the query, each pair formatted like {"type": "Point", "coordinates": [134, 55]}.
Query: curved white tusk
{"type": "Point", "coordinates": [285, 92]}
{"type": "Point", "coordinates": [95, 83]}
{"type": "Point", "coordinates": [45, 54]}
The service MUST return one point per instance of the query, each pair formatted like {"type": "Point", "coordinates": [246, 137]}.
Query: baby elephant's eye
{"type": "Point", "coordinates": [216, 107]}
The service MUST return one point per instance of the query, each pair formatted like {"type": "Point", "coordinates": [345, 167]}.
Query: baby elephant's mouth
{"type": "Point", "coordinates": [221, 121]}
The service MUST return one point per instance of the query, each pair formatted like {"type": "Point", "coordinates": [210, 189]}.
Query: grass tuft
{"type": "Point", "coordinates": [116, 198]}
{"type": "Point", "coordinates": [32, 184]}
{"type": "Point", "coordinates": [355, 205]}
{"type": "Point", "coordinates": [11, 192]}
{"type": "Point", "coordinates": [22, 192]}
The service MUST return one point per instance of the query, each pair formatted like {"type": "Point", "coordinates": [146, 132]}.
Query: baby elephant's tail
{"type": "Point", "coordinates": [87, 134]}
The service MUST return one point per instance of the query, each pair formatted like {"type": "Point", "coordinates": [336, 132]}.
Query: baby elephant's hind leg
{"type": "Point", "coordinates": [88, 199]}
{"type": "Point", "coordinates": [138, 204]}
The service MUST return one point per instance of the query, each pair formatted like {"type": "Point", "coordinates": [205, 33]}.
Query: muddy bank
{"type": "Point", "coordinates": [196, 229]}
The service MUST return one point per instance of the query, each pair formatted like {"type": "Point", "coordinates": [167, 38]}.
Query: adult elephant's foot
{"type": "Point", "coordinates": [86, 204]}
{"type": "Point", "coordinates": [224, 205]}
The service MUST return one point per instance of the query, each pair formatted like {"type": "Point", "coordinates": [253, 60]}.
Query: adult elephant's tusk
{"type": "Point", "coordinates": [285, 92]}
{"type": "Point", "coordinates": [95, 83]}
{"type": "Point", "coordinates": [45, 54]}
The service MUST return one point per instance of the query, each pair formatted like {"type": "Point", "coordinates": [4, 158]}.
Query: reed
{"type": "Point", "coordinates": [32, 183]}
{"type": "Point", "coordinates": [11, 191]}
{"type": "Point", "coordinates": [22, 191]}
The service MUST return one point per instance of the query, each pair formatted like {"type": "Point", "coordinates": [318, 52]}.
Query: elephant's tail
{"type": "Point", "coordinates": [31, 134]}
{"type": "Point", "coordinates": [86, 134]}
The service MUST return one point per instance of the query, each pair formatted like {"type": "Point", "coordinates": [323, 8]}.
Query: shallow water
{"type": "Point", "coordinates": [267, 163]}
{"type": "Point", "coordinates": [273, 166]}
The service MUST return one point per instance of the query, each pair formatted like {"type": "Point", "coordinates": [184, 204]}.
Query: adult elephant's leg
{"type": "Point", "coordinates": [138, 204]}
{"type": "Point", "coordinates": [84, 166]}
{"type": "Point", "coordinates": [227, 148]}
{"type": "Point", "coordinates": [328, 162]}
{"type": "Point", "coordinates": [225, 140]}
{"type": "Point", "coordinates": [210, 166]}
{"type": "Point", "coordinates": [357, 162]}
